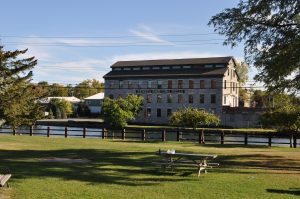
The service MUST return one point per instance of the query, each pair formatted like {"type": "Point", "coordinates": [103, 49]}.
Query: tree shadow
{"type": "Point", "coordinates": [105, 166]}
{"type": "Point", "coordinates": [291, 191]}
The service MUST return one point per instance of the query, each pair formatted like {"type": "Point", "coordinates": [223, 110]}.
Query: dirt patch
{"type": "Point", "coordinates": [64, 160]}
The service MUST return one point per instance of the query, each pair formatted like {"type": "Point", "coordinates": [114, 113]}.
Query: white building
{"type": "Point", "coordinates": [94, 102]}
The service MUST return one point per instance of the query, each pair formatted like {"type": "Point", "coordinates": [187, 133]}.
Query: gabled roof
{"type": "Point", "coordinates": [95, 97]}
{"type": "Point", "coordinates": [172, 62]}
{"type": "Point", "coordinates": [197, 68]}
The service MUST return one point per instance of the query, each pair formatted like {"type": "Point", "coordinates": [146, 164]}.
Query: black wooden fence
{"type": "Point", "coordinates": [201, 136]}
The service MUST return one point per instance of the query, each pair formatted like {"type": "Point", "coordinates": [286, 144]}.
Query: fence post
{"type": "Point", "coordinates": [163, 136]}
{"type": "Point", "coordinates": [123, 134]}
{"type": "Point", "coordinates": [270, 140]}
{"type": "Point", "coordinates": [66, 132]}
{"type": "Point", "coordinates": [31, 131]}
{"type": "Point", "coordinates": [291, 140]}
{"type": "Point", "coordinates": [103, 135]}
{"type": "Point", "coordinates": [222, 137]}
{"type": "Point", "coordinates": [246, 138]}
{"type": "Point", "coordinates": [84, 132]}
{"type": "Point", "coordinates": [295, 140]}
{"type": "Point", "coordinates": [144, 135]}
{"type": "Point", "coordinates": [202, 137]}
{"type": "Point", "coordinates": [48, 131]}
{"type": "Point", "coordinates": [178, 135]}
{"type": "Point", "coordinates": [14, 131]}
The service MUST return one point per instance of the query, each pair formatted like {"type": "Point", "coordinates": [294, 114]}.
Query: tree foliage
{"type": "Point", "coordinates": [60, 108]}
{"type": "Point", "coordinates": [117, 112]}
{"type": "Point", "coordinates": [192, 117]}
{"type": "Point", "coordinates": [17, 95]}
{"type": "Point", "coordinates": [270, 30]}
{"type": "Point", "coordinates": [88, 87]}
{"type": "Point", "coordinates": [285, 115]}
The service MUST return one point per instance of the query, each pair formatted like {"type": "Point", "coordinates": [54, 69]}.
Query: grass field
{"type": "Point", "coordinates": [123, 169]}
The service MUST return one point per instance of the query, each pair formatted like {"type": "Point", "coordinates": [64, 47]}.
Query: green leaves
{"type": "Point", "coordinates": [118, 112]}
{"type": "Point", "coordinates": [192, 117]}
{"type": "Point", "coordinates": [270, 30]}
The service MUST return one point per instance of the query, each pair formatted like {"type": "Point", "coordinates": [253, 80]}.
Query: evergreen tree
{"type": "Point", "coordinates": [17, 95]}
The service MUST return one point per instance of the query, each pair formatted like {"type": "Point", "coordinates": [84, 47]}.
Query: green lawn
{"type": "Point", "coordinates": [123, 169]}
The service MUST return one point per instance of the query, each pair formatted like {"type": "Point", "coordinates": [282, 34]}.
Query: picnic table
{"type": "Point", "coordinates": [171, 159]}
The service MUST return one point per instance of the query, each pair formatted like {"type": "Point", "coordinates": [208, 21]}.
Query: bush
{"type": "Point", "coordinates": [192, 117]}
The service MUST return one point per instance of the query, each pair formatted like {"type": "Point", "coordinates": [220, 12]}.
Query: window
{"type": "Point", "coordinates": [219, 65]}
{"type": "Point", "coordinates": [186, 67]}
{"type": "Point", "coordinates": [228, 71]}
{"type": "Point", "coordinates": [169, 112]}
{"type": "Point", "coordinates": [111, 84]}
{"type": "Point", "coordinates": [202, 84]}
{"type": "Point", "coordinates": [121, 84]}
{"type": "Point", "coordinates": [225, 100]}
{"type": "Point", "coordinates": [130, 85]}
{"type": "Point", "coordinates": [169, 98]}
{"type": "Point", "coordinates": [149, 98]}
{"type": "Point", "coordinates": [191, 98]}
{"type": "Point", "coordinates": [155, 68]}
{"type": "Point", "coordinates": [148, 112]}
{"type": "Point", "coordinates": [176, 67]}
{"type": "Point", "coordinates": [166, 67]}
{"type": "Point", "coordinates": [158, 112]}
{"type": "Point", "coordinates": [149, 85]}
{"type": "Point", "coordinates": [117, 69]}
{"type": "Point", "coordinates": [140, 83]}
{"type": "Point", "coordinates": [236, 90]}
{"type": "Point", "coordinates": [169, 84]}
{"type": "Point", "coordinates": [127, 68]}
{"type": "Point", "coordinates": [146, 68]}
{"type": "Point", "coordinates": [233, 73]}
{"type": "Point", "coordinates": [159, 84]}
{"type": "Point", "coordinates": [233, 85]}
{"type": "Point", "coordinates": [136, 68]}
{"type": "Point", "coordinates": [225, 84]}
{"type": "Point", "coordinates": [213, 98]}
{"type": "Point", "coordinates": [201, 98]}
{"type": "Point", "coordinates": [180, 83]}
{"type": "Point", "coordinates": [213, 84]}
{"type": "Point", "coordinates": [180, 98]}
{"type": "Point", "coordinates": [159, 98]}
{"type": "Point", "coordinates": [208, 66]}
{"type": "Point", "coordinates": [191, 84]}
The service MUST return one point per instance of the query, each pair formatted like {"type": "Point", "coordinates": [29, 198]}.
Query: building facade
{"type": "Point", "coordinates": [169, 85]}
{"type": "Point", "coordinates": [94, 103]}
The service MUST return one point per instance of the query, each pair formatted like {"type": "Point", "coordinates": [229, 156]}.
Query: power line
{"type": "Point", "coordinates": [107, 37]}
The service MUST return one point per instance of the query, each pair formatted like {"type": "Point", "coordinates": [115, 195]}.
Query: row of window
{"type": "Point", "coordinates": [160, 84]}
{"type": "Point", "coordinates": [148, 112]}
{"type": "Point", "coordinates": [180, 98]}
{"type": "Point", "coordinates": [165, 67]}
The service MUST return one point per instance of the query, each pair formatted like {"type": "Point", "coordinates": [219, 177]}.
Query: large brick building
{"type": "Point", "coordinates": [171, 84]}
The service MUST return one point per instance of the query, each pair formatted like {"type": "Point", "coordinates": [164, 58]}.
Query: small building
{"type": "Point", "coordinates": [171, 84]}
{"type": "Point", "coordinates": [73, 100]}
{"type": "Point", "coordinates": [94, 103]}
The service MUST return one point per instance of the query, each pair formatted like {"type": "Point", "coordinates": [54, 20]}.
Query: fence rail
{"type": "Point", "coordinates": [159, 134]}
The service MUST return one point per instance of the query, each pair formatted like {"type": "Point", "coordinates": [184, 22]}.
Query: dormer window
{"type": "Point", "coordinates": [146, 68]}
{"type": "Point", "coordinates": [155, 67]}
{"type": "Point", "coordinates": [176, 67]}
{"type": "Point", "coordinates": [219, 65]}
{"type": "Point", "coordinates": [186, 67]}
{"type": "Point", "coordinates": [136, 68]}
{"type": "Point", "coordinates": [127, 68]}
{"type": "Point", "coordinates": [117, 69]}
{"type": "Point", "coordinates": [166, 67]}
{"type": "Point", "coordinates": [208, 66]}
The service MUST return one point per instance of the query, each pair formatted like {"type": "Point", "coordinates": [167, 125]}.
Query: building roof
{"type": "Point", "coordinates": [95, 97]}
{"type": "Point", "coordinates": [48, 99]}
{"type": "Point", "coordinates": [196, 67]}
{"type": "Point", "coordinates": [172, 62]}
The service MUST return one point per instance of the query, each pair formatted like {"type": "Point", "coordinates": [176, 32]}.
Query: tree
{"type": "Point", "coordinates": [193, 117]}
{"type": "Point", "coordinates": [60, 108]}
{"type": "Point", "coordinates": [285, 115]}
{"type": "Point", "coordinates": [270, 30]}
{"type": "Point", "coordinates": [242, 70]}
{"type": "Point", "coordinates": [117, 112]}
{"type": "Point", "coordinates": [17, 95]}
{"type": "Point", "coordinates": [88, 87]}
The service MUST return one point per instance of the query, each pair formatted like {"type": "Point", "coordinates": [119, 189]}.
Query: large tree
{"type": "Point", "coordinates": [270, 30]}
{"type": "Point", "coordinates": [17, 95]}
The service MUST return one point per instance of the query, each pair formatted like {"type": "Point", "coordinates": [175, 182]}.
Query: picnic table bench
{"type": "Point", "coordinates": [175, 159]}
{"type": "Point", "coordinates": [4, 177]}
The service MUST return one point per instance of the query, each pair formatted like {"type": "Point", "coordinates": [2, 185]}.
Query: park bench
{"type": "Point", "coordinates": [4, 177]}
{"type": "Point", "coordinates": [172, 160]}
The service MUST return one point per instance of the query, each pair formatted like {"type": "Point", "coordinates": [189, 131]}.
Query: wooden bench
{"type": "Point", "coordinates": [4, 177]}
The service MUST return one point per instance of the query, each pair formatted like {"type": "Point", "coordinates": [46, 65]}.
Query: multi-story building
{"type": "Point", "coordinates": [171, 84]}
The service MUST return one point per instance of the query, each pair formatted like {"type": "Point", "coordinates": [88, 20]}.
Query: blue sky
{"type": "Point", "coordinates": [75, 40]}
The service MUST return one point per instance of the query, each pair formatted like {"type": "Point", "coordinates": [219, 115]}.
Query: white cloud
{"type": "Point", "coordinates": [148, 34]}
